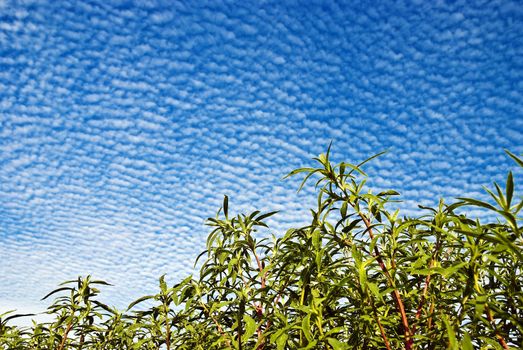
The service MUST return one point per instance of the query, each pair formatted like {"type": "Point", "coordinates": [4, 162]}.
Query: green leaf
{"type": "Point", "coordinates": [226, 207]}
{"type": "Point", "coordinates": [266, 215]}
{"type": "Point", "coordinates": [453, 269]}
{"type": "Point", "coordinates": [336, 344]}
{"type": "Point", "coordinates": [388, 193]}
{"type": "Point", "coordinates": [501, 198]}
{"type": "Point", "coordinates": [343, 210]}
{"type": "Point", "coordinates": [353, 168]}
{"type": "Point", "coordinates": [282, 341]}
{"type": "Point", "coordinates": [16, 316]}
{"type": "Point", "coordinates": [306, 178]}
{"type": "Point", "coordinates": [493, 343]}
{"type": "Point", "coordinates": [311, 345]}
{"type": "Point", "coordinates": [373, 287]}
{"type": "Point", "coordinates": [466, 342]}
{"type": "Point", "coordinates": [139, 300]}
{"type": "Point", "coordinates": [56, 291]}
{"type": "Point", "coordinates": [319, 257]}
{"type": "Point", "coordinates": [103, 306]}
{"type": "Point", "coordinates": [477, 203]}
{"type": "Point", "coordinates": [298, 171]}
{"type": "Point", "coordinates": [306, 327]}
{"type": "Point", "coordinates": [326, 156]}
{"type": "Point", "coordinates": [453, 343]}
{"type": "Point", "coordinates": [311, 171]}
{"type": "Point", "coordinates": [369, 159]}
{"type": "Point", "coordinates": [280, 338]}
{"type": "Point", "coordinates": [518, 207]}
{"type": "Point", "coordinates": [101, 282]}
{"type": "Point", "coordinates": [163, 285]}
{"type": "Point", "coordinates": [69, 281]}
{"type": "Point", "coordinates": [316, 239]}
{"type": "Point", "coordinates": [342, 169]}
{"type": "Point", "coordinates": [250, 327]}
{"type": "Point", "coordinates": [362, 273]}
{"type": "Point", "coordinates": [518, 160]}
{"type": "Point", "coordinates": [351, 225]}
{"type": "Point", "coordinates": [509, 188]}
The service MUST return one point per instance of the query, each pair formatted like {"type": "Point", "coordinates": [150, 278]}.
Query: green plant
{"type": "Point", "coordinates": [75, 314]}
{"type": "Point", "coordinates": [358, 276]}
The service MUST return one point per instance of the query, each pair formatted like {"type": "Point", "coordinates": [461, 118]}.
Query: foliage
{"type": "Point", "coordinates": [359, 276]}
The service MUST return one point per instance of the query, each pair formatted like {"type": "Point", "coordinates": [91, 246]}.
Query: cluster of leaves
{"type": "Point", "coordinates": [357, 277]}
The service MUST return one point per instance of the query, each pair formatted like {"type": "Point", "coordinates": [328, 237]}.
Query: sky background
{"type": "Point", "coordinates": [123, 123]}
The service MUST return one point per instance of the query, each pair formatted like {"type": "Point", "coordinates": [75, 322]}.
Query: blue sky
{"type": "Point", "coordinates": [123, 123]}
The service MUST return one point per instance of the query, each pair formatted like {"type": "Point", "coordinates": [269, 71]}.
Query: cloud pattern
{"type": "Point", "coordinates": [124, 123]}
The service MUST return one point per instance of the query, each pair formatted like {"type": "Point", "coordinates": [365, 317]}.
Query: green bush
{"type": "Point", "coordinates": [359, 276]}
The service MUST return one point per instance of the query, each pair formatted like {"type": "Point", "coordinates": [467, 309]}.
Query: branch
{"type": "Point", "coordinates": [64, 338]}
{"type": "Point", "coordinates": [382, 330]}
{"type": "Point", "coordinates": [395, 293]}
{"type": "Point", "coordinates": [218, 326]}
{"type": "Point", "coordinates": [501, 340]}
{"type": "Point", "coordinates": [426, 287]}
{"type": "Point", "coordinates": [259, 307]}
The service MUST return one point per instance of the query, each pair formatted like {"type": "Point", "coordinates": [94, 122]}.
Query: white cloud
{"type": "Point", "coordinates": [122, 130]}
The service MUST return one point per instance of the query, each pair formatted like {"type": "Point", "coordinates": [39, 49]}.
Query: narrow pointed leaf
{"type": "Point", "coordinates": [139, 300]}
{"type": "Point", "coordinates": [226, 206]}
{"type": "Point", "coordinates": [477, 203]}
{"type": "Point", "coordinates": [56, 291]}
{"type": "Point", "coordinates": [510, 188]}
{"type": "Point", "coordinates": [518, 160]}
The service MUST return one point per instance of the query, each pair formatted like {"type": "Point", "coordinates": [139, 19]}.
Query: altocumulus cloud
{"type": "Point", "coordinates": [123, 123]}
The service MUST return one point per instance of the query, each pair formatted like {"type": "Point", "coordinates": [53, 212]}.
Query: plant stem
{"type": "Point", "coordinates": [218, 326]}
{"type": "Point", "coordinates": [501, 340]}
{"type": "Point", "coordinates": [382, 330]}
{"type": "Point", "coordinates": [82, 340]}
{"type": "Point", "coordinates": [276, 301]}
{"type": "Point", "coordinates": [64, 338]}
{"type": "Point", "coordinates": [167, 335]}
{"type": "Point", "coordinates": [435, 256]}
{"type": "Point", "coordinates": [259, 307]}
{"type": "Point", "coordinates": [395, 293]}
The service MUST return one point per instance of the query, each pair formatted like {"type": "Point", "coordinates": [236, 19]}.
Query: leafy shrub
{"type": "Point", "coordinates": [359, 276]}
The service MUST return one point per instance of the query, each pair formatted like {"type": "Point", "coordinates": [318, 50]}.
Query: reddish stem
{"type": "Point", "coordinates": [380, 326]}
{"type": "Point", "coordinates": [64, 338]}
{"type": "Point", "coordinates": [259, 307]}
{"type": "Point", "coordinates": [500, 338]}
{"type": "Point", "coordinates": [395, 293]}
